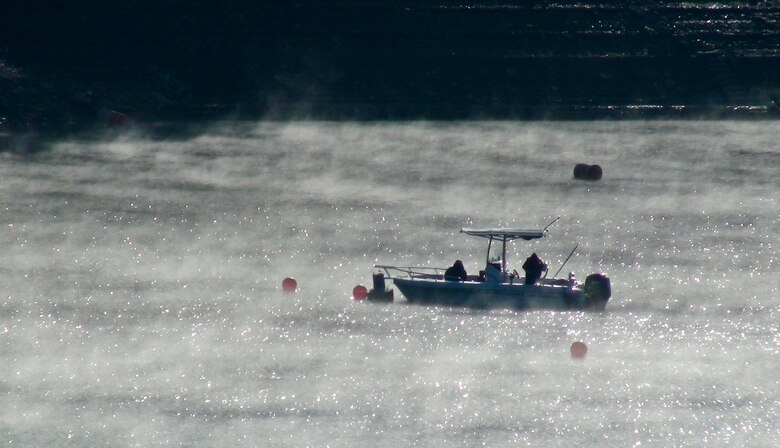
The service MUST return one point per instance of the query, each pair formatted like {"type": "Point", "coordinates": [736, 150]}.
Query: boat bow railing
{"type": "Point", "coordinates": [393, 272]}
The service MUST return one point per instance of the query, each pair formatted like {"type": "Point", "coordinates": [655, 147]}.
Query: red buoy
{"type": "Point", "coordinates": [359, 292]}
{"type": "Point", "coordinates": [289, 285]}
{"type": "Point", "coordinates": [578, 350]}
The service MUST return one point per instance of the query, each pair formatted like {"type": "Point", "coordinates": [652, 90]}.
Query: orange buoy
{"type": "Point", "coordinates": [578, 350]}
{"type": "Point", "coordinates": [289, 285]}
{"type": "Point", "coordinates": [359, 292]}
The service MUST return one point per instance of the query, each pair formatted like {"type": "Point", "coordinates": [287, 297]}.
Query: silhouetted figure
{"type": "Point", "coordinates": [456, 272]}
{"type": "Point", "coordinates": [533, 268]}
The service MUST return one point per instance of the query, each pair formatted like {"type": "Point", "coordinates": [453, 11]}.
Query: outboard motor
{"type": "Point", "coordinates": [597, 291]}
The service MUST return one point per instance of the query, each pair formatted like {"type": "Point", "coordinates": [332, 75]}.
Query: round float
{"type": "Point", "coordinates": [359, 292]}
{"type": "Point", "coordinates": [289, 285]}
{"type": "Point", "coordinates": [583, 171]}
{"type": "Point", "coordinates": [578, 350]}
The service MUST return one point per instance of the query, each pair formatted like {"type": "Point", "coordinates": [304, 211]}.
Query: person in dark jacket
{"type": "Point", "coordinates": [533, 268]}
{"type": "Point", "coordinates": [456, 272]}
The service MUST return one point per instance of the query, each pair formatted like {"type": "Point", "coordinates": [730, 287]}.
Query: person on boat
{"type": "Point", "coordinates": [456, 272]}
{"type": "Point", "coordinates": [533, 268]}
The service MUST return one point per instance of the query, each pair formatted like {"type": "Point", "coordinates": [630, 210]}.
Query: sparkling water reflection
{"type": "Point", "coordinates": [142, 301]}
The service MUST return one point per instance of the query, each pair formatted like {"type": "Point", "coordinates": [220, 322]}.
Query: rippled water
{"type": "Point", "coordinates": [141, 279]}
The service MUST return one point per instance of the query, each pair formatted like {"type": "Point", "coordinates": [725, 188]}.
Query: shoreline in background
{"type": "Point", "coordinates": [65, 68]}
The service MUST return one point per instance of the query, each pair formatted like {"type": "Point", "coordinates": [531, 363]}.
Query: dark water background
{"type": "Point", "coordinates": [65, 65]}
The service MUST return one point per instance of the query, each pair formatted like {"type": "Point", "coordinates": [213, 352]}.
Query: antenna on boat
{"type": "Point", "coordinates": [566, 261]}
{"type": "Point", "coordinates": [548, 225]}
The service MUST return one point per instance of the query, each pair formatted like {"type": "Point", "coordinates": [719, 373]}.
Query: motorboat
{"type": "Point", "coordinates": [495, 286]}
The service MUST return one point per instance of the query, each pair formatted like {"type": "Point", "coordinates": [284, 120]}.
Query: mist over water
{"type": "Point", "coordinates": [142, 302]}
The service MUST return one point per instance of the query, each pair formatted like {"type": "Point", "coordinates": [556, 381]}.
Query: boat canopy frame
{"type": "Point", "coordinates": [505, 235]}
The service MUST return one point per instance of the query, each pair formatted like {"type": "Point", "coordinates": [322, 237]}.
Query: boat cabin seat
{"type": "Point", "coordinates": [493, 274]}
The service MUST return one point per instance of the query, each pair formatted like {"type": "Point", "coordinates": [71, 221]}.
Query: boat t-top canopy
{"type": "Point", "coordinates": [505, 234]}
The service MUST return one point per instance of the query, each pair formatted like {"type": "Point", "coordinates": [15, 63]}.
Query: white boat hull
{"type": "Point", "coordinates": [487, 295]}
